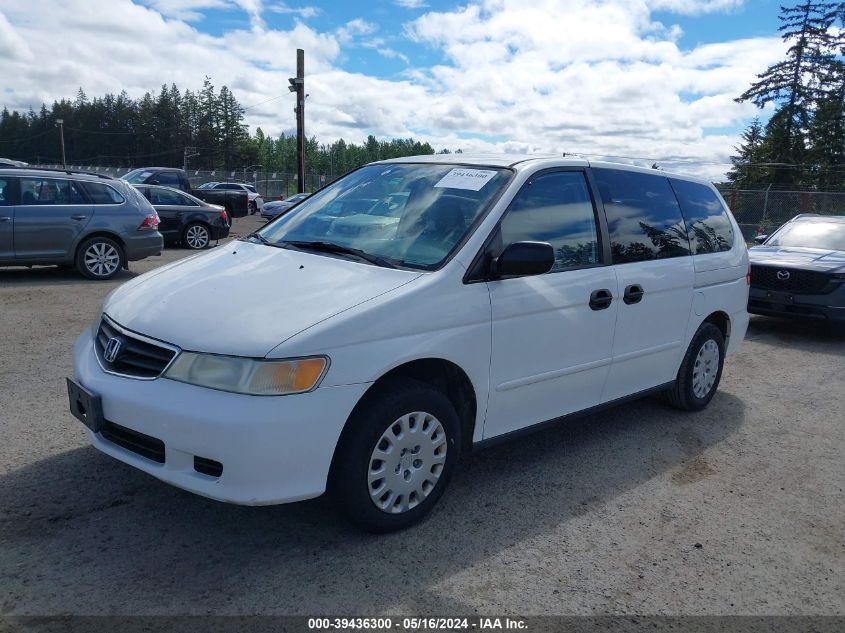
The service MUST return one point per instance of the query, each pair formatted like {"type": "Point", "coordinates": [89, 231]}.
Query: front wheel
{"type": "Point", "coordinates": [196, 236]}
{"type": "Point", "coordinates": [701, 370]}
{"type": "Point", "coordinates": [99, 258]}
{"type": "Point", "coordinates": [396, 456]}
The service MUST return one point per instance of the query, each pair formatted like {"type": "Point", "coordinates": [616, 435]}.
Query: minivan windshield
{"type": "Point", "coordinates": [395, 214]}
{"type": "Point", "coordinates": [811, 234]}
{"type": "Point", "coordinates": [136, 176]}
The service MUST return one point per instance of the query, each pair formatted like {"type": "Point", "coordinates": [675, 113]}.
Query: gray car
{"type": "Point", "coordinates": [95, 223]}
{"type": "Point", "coordinates": [799, 270]}
{"type": "Point", "coordinates": [276, 208]}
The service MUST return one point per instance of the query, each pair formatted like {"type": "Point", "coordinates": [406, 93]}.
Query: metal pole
{"type": "Point", "coordinates": [766, 204]}
{"type": "Point", "coordinates": [300, 119]}
{"type": "Point", "coordinates": [61, 124]}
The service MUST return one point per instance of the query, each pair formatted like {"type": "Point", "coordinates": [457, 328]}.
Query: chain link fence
{"type": "Point", "coordinates": [763, 210]}
{"type": "Point", "coordinates": [272, 185]}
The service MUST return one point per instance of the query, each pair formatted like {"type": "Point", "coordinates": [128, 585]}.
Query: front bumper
{"type": "Point", "coordinates": [272, 449]}
{"type": "Point", "coordinates": [829, 306]}
{"type": "Point", "coordinates": [143, 244]}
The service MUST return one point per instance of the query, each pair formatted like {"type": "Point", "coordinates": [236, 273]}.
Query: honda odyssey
{"type": "Point", "coordinates": [412, 311]}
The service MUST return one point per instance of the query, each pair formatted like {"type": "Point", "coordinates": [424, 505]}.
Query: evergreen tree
{"type": "Point", "coordinates": [797, 82]}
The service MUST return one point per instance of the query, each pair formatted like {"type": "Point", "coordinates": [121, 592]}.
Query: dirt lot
{"type": "Point", "coordinates": [735, 510]}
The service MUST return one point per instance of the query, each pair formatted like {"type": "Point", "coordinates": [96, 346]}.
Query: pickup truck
{"type": "Point", "coordinates": [236, 203]}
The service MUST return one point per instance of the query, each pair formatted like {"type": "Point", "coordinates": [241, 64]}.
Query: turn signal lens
{"type": "Point", "coordinates": [748, 277]}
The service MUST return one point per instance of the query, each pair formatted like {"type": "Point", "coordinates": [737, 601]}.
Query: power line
{"type": "Point", "coordinates": [25, 138]}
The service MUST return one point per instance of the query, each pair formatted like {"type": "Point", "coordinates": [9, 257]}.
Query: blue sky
{"type": "Point", "coordinates": [653, 79]}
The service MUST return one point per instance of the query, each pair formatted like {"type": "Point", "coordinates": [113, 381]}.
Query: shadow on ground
{"type": "Point", "coordinates": [83, 533]}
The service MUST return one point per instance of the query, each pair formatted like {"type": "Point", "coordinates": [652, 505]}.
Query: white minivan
{"type": "Point", "coordinates": [410, 312]}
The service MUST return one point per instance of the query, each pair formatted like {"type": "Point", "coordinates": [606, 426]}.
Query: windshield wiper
{"type": "Point", "coordinates": [331, 247]}
{"type": "Point", "coordinates": [261, 239]}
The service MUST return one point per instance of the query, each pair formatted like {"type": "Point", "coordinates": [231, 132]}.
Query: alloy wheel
{"type": "Point", "coordinates": [101, 259]}
{"type": "Point", "coordinates": [197, 236]}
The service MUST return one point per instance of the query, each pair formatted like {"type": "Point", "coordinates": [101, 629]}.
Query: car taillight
{"type": "Point", "coordinates": [150, 223]}
{"type": "Point", "coordinates": [224, 216]}
{"type": "Point", "coordinates": [748, 277]}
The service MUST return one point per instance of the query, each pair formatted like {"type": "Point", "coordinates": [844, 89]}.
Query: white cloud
{"type": "Point", "coordinates": [695, 7]}
{"type": "Point", "coordinates": [302, 12]}
{"type": "Point", "coordinates": [411, 4]}
{"type": "Point", "coordinates": [189, 10]}
{"type": "Point", "coordinates": [594, 76]}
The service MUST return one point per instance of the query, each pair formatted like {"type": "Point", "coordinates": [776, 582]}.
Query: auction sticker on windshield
{"type": "Point", "coordinates": [472, 179]}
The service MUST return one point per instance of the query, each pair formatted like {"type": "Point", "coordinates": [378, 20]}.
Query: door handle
{"type": "Point", "coordinates": [633, 294]}
{"type": "Point", "coordinates": [600, 299]}
{"type": "Point", "coordinates": [5, 218]}
{"type": "Point", "coordinates": [78, 217]}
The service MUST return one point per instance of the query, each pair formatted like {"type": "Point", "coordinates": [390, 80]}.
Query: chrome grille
{"type": "Point", "coordinates": [138, 357]}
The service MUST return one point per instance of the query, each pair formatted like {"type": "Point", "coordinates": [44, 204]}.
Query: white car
{"type": "Point", "coordinates": [510, 292]}
{"type": "Point", "coordinates": [256, 202]}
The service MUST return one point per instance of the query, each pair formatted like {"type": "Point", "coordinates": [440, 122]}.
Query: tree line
{"type": "Point", "coordinates": [119, 131]}
{"type": "Point", "coordinates": [802, 145]}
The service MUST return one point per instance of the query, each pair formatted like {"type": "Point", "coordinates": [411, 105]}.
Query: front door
{"type": "Point", "coordinates": [552, 334]}
{"type": "Point", "coordinates": [171, 206]}
{"type": "Point", "coordinates": [50, 216]}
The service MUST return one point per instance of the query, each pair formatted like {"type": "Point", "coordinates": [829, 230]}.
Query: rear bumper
{"type": "Point", "coordinates": [143, 244]}
{"type": "Point", "coordinates": [219, 232]}
{"type": "Point", "coordinates": [830, 306]}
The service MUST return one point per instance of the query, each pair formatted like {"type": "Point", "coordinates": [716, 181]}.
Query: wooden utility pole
{"type": "Point", "coordinates": [61, 125]}
{"type": "Point", "coordinates": [297, 85]}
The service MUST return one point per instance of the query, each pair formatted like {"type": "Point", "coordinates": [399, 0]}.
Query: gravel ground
{"type": "Point", "coordinates": [735, 510]}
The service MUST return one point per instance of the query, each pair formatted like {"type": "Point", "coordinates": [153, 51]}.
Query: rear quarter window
{"type": "Point", "coordinates": [103, 194]}
{"type": "Point", "coordinates": [643, 216]}
{"type": "Point", "coordinates": [708, 225]}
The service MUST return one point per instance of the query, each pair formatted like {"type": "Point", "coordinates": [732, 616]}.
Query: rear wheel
{"type": "Point", "coordinates": [99, 258]}
{"type": "Point", "coordinates": [196, 236]}
{"type": "Point", "coordinates": [701, 370]}
{"type": "Point", "coordinates": [396, 456]}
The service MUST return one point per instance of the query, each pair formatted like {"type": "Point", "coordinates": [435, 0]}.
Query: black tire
{"type": "Point", "coordinates": [100, 258]}
{"type": "Point", "coordinates": [252, 207]}
{"type": "Point", "coordinates": [371, 420]}
{"type": "Point", "coordinates": [196, 236]}
{"type": "Point", "coordinates": [682, 395]}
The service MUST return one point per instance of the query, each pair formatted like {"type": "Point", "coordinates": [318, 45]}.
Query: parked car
{"type": "Point", "coordinates": [275, 208]}
{"type": "Point", "coordinates": [185, 218]}
{"type": "Point", "coordinates": [236, 203]}
{"type": "Point", "coordinates": [95, 223]}
{"type": "Point", "coordinates": [799, 270]}
{"type": "Point", "coordinates": [256, 202]}
{"type": "Point", "coordinates": [512, 291]}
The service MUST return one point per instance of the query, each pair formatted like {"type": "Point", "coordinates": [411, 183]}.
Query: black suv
{"type": "Point", "coordinates": [95, 223]}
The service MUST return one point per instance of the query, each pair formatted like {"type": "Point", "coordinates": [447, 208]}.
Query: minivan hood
{"type": "Point", "coordinates": [809, 258]}
{"type": "Point", "coordinates": [244, 299]}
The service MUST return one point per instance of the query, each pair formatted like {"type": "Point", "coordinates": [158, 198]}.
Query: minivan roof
{"type": "Point", "coordinates": [521, 161]}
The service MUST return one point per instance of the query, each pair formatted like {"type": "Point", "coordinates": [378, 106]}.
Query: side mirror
{"type": "Point", "coordinates": [524, 258]}
{"type": "Point", "coordinates": [154, 181]}
{"type": "Point", "coordinates": [760, 238]}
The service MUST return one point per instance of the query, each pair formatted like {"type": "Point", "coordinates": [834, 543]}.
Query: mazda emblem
{"type": "Point", "coordinates": [783, 275]}
{"type": "Point", "coordinates": [113, 348]}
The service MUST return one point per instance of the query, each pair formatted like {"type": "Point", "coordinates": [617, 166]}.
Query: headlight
{"type": "Point", "coordinates": [248, 375]}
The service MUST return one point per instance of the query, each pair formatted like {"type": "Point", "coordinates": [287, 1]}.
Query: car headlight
{"type": "Point", "coordinates": [248, 375]}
